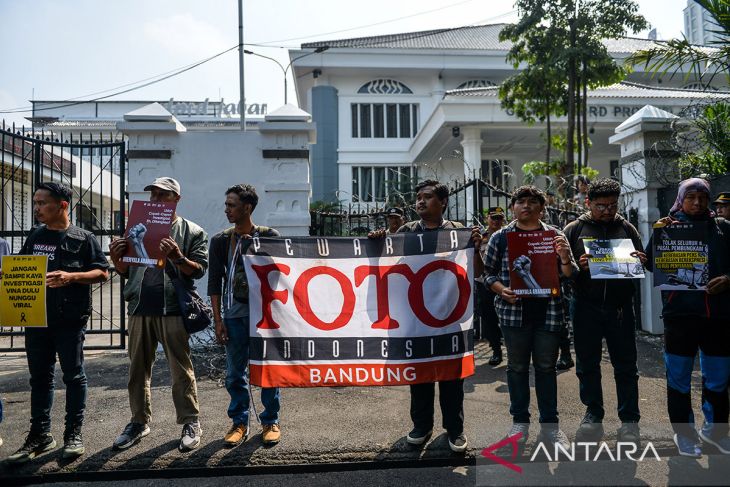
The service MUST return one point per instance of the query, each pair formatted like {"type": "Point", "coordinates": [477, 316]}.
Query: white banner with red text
{"type": "Point", "coordinates": [334, 311]}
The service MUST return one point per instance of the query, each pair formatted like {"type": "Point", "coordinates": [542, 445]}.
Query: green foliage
{"type": "Point", "coordinates": [704, 62]}
{"type": "Point", "coordinates": [712, 128]}
{"type": "Point", "coordinates": [324, 206]}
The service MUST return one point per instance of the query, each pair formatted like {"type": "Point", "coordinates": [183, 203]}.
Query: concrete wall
{"type": "Point", "coordinates": [207, 163]}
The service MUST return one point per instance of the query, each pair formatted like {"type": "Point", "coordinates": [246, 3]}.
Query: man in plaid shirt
{"type": "Point", "coordinates": [531, 327]}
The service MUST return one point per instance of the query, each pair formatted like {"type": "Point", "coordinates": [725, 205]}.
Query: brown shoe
{"type": "Point", "coordinates": [237, 434]}
{"type": "Point", "coordinates": [271, 434]}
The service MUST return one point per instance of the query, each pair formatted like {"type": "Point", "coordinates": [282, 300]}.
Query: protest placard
{"type": "Point", "coordinates": [533, 264]}
{"type": "Point", "coordinates": [23, 291]}
{"type": "Point", "coordinates": [611, 259]}
{"type": "Point", "coordinates": [361, 312]}
{"type": "Point", "coordinates": [680, 256]}
{"type": "Point", "coordinates": [149, 222]}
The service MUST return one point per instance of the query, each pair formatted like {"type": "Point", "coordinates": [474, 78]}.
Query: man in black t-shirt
{"type": "Point", "coordinates": [75, 261]}
{"type": "Point", "coordinates": [431, 201]}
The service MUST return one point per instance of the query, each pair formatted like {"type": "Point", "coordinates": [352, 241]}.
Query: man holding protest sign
{"type": "Point", "coordinates": [532, 318]}
{"type": "Point", "coordinates": [697, 320]}
{"type": "Point", "coordinates": [432, 200]}
{"type": "Point", "coordinates": [154, 317]}
{"type": "Point", "coordinates": [604, 308]}
{"type": "Point", "coordinates": [75, 261]}
{"type": "Point", "coordinates": [228, 286]}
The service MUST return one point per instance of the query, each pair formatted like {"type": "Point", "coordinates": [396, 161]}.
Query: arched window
{"type": "Point", "coordinates": [475, 83]}
{"type": "Point", "coordinates": [385, 87]}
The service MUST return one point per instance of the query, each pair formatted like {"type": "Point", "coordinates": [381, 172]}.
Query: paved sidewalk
{"type": "Point", "coordinates": [330, 425]}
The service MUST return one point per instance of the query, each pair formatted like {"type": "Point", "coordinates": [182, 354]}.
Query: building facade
{"type": "Point", "coordinates": [396, 108]}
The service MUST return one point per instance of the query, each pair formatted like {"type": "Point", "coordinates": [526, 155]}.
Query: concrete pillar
{"type": "Point", "coordinates": [471, 142]}
{"type": "Point", "coordinates": [643, 137]}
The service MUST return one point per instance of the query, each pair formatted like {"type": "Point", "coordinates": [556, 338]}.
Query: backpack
{"type": "Point", "coordinates": [239, 281]}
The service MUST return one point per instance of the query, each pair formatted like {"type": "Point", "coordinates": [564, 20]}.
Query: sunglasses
{"type": "Point", "coordinates": [496, 217]}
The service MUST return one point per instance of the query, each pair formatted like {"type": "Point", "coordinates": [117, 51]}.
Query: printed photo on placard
{"type": "Point", "coordinates": [533, 264]}
{"type": "Point", "coordinates": [612, 259]}
{"type": "Point", "coordinates": [149, 222]}
{"type": "Point", "coordinates": [680, 257]}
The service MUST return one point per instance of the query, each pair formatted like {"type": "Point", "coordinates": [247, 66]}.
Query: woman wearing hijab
{"type": "Point", "coordinates": [696, 320]}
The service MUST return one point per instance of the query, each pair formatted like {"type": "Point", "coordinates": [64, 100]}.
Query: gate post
{"type": "Point", "coordinates": [644, 140]}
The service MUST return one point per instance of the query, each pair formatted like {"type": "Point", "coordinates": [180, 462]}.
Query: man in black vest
{"type": "Point", "coordinates": [604, 308]}
{"type": "Point", "coordinates": [75, 261]}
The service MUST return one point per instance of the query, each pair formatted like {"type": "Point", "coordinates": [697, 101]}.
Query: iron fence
{"type": "Point", "coordinates": [94, 167]}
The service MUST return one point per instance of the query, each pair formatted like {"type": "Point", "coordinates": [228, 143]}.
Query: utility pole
{"type": "Point", "coordinates": [242, 102]}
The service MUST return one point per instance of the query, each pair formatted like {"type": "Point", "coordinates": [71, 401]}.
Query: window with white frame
{"type": "Point", "coordinates": [378, 184]}
{"type": "Point", "coordinates": [384, 120]}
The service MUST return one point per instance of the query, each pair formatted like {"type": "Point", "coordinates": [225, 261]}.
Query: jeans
{"type": "Point", "coordinates": [451, 399]}
{"type": "Point", "coordinates": [683, 337]}
{"type": "Point", "coordinates": [617, 325]}
{"type": "Point", "coordinates": [522, 344]}
{"type": "Point", "coordinates": [42, 345]}
{"type": "Point", "coordinates": [237, 356]}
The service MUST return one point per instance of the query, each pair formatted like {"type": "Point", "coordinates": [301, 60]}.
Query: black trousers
{"type": "Point", "coordinates": [489, 321]}
{"type": "Point", "coordinates": [451, 399]}
{"type": "Point", "coordinates": [617, 324]}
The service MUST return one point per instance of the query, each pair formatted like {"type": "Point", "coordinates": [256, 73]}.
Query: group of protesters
{"type": "Point", "coordinates": [532, 329]}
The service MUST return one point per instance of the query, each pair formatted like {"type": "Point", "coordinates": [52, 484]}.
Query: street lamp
{"type": "Point", "coordinates": [283, 69]}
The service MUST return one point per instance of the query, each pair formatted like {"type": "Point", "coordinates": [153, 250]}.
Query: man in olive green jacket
{"type": "Point", "coordinates": [154, 317]}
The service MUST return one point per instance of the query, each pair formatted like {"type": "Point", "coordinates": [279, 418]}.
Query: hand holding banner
{"type": "Point", "coordinates": [23, 291]}
{"type": "Point", "coordinates": [361, 312]}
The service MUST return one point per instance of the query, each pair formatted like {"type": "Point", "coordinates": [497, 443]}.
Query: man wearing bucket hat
{"type": "Point", "coordinates": [488, 315]}
{"type": "Point", "coordinates": [154, 318]}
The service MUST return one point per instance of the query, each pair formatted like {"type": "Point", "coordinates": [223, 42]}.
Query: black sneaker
{"type": "Point", "coordinates": [565, 362]}
{"type": "Point", "coordinates": [418, 436]}
{"type": "Point", "coordinates": [496, 358]}
{"type": "Point", "coordinates": [457, 443]}
{"type": "Point", "coordinates": [554, 436]}
{"type": "Point", "coordinates": [35, 444]}
{"type": "Point", "coordinates": [629, 433]}
{"type": "Point", "coordinates": [132, 433]}
{"type": "Point", "coordinates": [590, 428]}
{"type": "Point", "coordinates": [73, 445]}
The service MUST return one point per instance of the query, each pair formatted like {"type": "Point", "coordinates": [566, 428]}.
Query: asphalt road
{"type": "Point", "coordinates": [331, 429]}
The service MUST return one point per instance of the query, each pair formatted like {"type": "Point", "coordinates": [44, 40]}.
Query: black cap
{"type": "Point", "coordinates": [723, 197]}
{"type": "Point", "coordinates": [394, 212]}
{"type": "Point", "coordinates": [495, 211]}
{"type": "Point", "coordinates": [59, 191]}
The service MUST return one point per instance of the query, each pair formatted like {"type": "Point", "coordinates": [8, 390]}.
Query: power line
{"type": "Point", "coordinates": [156, 79]}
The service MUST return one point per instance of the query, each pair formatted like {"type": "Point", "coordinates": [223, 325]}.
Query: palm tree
{"type": "Point", "coordinates": [705, 62]}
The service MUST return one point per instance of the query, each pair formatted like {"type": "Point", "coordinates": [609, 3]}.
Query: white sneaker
{"type": "Point", "coordinates": [190, 437]}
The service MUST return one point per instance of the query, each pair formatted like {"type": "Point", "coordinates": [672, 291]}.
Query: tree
{"type": "Point", "coordinates": [705, 63]}
{"type": "Point", "coordinates": [561, 41]}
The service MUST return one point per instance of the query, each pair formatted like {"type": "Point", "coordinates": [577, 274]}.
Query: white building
{"type": "Point", "coordinates": [699, 25]}
{"type": "Point", "coordinates": [425, 104]}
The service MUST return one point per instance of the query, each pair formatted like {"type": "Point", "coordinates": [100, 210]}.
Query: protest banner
{"type": "Point", "coordinates": [23, 291]}
{"type": "Point", "coordinates": [611, 259]}
{"type": "Point", "coordinates": [533, 264]}
{"type": "Point", "coordinates": [680, 256]}
{"type": "Point", "coordinates": [361, 312]}
{"type": "Point", "coordinates": [149, 222]}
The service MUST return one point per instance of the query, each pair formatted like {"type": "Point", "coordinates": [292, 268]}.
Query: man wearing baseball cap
{"type": "Point", "coordinates": [154, 318]}
{"type": "Point", "coordinates": [395, 219]}
{"type": "Point", "coordinates": [722, 205]}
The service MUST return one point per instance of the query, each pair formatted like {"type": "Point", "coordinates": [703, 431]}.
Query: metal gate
{"type": "Point", "coordinates": [94, 167]}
